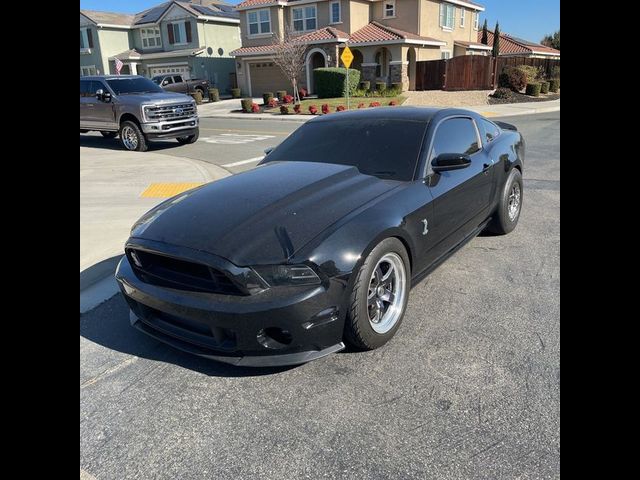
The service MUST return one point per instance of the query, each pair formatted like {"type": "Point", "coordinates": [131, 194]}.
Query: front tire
{"type": "Point", "coordinates": [106, 134]}
{"type": "Point", "coordinates": [131, 137]}
{"type": "Point", "coordinates": [379, 296]}
{"type": "Point", "coordinates": [508, 213]}
{"type": "Point", "coordinates": [190, 139]}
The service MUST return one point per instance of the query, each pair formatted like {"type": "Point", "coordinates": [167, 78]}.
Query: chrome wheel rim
{"type": "Point", "coordinates": [514, 201]}
{"type": "Point", "coordinates": [129, 138]}
{"type": "Point", "coordinates": [386, 293]}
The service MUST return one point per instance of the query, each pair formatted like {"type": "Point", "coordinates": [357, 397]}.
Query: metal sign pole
{"type": "Point", "coordinates": [348, 88]}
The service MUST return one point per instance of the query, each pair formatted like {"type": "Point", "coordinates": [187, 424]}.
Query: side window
{"type": "Point", "coordinates": [84, 88]}
{"type": "Point", "coordinates": [455, 135]}
{"type": "Point", "coordinates": [167, 80]}
{"type": "Point", "coordinates": [177, 78]}
{"type": "Point", "coordinates": [95, 86]}
{"type": "Point", "coordinates": [491, 130]}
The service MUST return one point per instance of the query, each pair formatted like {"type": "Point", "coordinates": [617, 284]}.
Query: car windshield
{"type": "Point", "coordinates": [124, 85]}
{"type": "Point", "coordinates": [387, 148]}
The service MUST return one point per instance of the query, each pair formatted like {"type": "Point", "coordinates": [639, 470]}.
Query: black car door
{"type": "Point", "coordinates": [462, 197]}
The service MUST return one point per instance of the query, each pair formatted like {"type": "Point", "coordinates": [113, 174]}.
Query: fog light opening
{"type": "Point", "coordinates": [273, 337]}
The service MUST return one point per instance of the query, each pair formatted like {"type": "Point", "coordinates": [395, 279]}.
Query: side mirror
{"type": "Point", "coordinates": [450, 161]}
{"type": "Point", "coordinates": [103, 96]}
{"type": "Point", "coordinates": [268, 150]}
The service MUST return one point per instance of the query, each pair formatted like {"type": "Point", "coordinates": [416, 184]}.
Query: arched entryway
{"type": "Point", "coordinates": [357, 59]}
{"type": "Point", "coordinates": [383, 57]}
{"type": "Point", "coordinates": [316, 58]}
{"type": "Point", "coordinates": [411, 68]}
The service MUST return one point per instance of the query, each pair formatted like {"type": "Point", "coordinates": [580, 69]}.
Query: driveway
{"type": "Point", "coordinates": [469, 388]}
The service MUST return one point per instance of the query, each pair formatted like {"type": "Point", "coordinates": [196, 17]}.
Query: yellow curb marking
{"type": "Point", "coordinates": [488, 114]}
{"type": "Point", "coordinates": [166, 190]}
{"type": "Point", "coordinates": [243, 131]}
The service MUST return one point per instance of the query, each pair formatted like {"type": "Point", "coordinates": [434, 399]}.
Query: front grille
{"type": "Point", "coordinates": [168, 112]}
{"type": "Point", "coordinates": [171, 272]}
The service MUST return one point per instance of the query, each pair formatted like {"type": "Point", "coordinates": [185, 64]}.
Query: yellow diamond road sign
{"type": "Point", "coordinates": [346, 57]}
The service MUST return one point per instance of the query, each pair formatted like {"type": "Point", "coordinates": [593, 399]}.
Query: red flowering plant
{"type": "Point", "coordinates": [302, 93]}
{"type": "Point", "coordinates": [273, 103]}
{"type": "Point", "coordinates": [392, 103]}
{"type": "Point", "coordinates": [361, 105]}
{"type": "Point", "coordinates": [313, 109]}
{"type": "Point", "coordinates": [255, 108]}
{"type": "Point", "coordinates": [340, 108]}
{"type": "Point", "coordinates": [296, 108]}
{"type": "Point", "coordinates": [284, 110]}
{"type": "Point", "coordinates": [325, 108]}
{"type": "Point", "coordinates": [287, 99]}
{"type": "Point", "coordinates": [374, 104]}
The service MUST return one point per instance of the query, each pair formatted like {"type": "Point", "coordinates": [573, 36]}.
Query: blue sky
{"type": "Point", "coordinates": [528, 19]}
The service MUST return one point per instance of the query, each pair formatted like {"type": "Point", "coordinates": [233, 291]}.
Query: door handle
{"type": "Point", "coordinates": [486, 166]}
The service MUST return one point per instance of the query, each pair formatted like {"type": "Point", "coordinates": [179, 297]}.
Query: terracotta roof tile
{"type": "Point", "coordinates": [251, 3]}
{"type": "Point", "coordinates": [376, 32]}
{"type": "Point", "coordinates": [512, 46]}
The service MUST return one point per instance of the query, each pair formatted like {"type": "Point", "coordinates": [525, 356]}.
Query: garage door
{"type": "Point", "coordinates": [267, 77]}
{"type": "Point", "coordinates": [160, 70]}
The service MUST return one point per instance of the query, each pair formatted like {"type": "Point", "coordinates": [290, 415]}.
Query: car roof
{"type": "Point", "coordinates": [411, 113]}
{"type": "Point", "coordinates": [109, 77]}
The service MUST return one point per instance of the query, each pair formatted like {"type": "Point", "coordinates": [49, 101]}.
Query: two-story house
{"type": "Point", "coordinates": [192, 38]}
{"type": "Point", "coordinates": [387, 37]}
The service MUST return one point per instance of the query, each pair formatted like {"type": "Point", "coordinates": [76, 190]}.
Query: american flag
{"type": "Point", "coordinates": [119, 65]}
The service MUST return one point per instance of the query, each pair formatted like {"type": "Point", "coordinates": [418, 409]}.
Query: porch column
{"type": "Point", "coordinates": [398, 72]}
{"type": "Point", "coordinates": [133, 68]}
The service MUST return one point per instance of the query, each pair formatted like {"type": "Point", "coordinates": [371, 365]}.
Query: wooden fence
{"type": "Point", "coordinates": [471, 72]}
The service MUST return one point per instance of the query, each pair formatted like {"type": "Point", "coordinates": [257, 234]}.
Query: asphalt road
{"type": "Point", "coordinates": [468, 388]}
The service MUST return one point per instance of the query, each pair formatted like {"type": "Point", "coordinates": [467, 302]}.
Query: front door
{"type": "Point", "coordinates": [461, 197]}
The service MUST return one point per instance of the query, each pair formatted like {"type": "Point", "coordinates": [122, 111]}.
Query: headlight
{"type": "Point", "coordinates": [287, 275]}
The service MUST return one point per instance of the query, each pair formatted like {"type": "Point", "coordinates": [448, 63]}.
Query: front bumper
{"type": "Point", "coordinates": [276, 327]}
{"type": "Point", "coordinates": [171, 129]}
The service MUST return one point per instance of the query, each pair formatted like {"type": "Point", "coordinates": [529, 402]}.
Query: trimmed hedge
{"type": "Point", "coordinates": [331, 82]}
{"type": "Point", "coordinates": [214, 95]}
{"type": "Point", "coordinates": [266, 96]}
{"type": "Point", "coordinates": [517, 79]}
{"type": "Point", "coordinates": [533, 89]}
{"type": "Point", "coordinates": [381, 87]}
{"type": "Point", "coordinates": [503, 80]}
{"type": "Point", "coordinates": [502, 92]}
{"type": "Point", "coordinates": [544, 87]}
{"type": "Point", "coordinates": [235, 93]}
{"type": "Point", "coordinates": [246, 104]}
{"type": "Point", "coordinates": [554, 85]}
{"type": "Point", "coordinates": [397, 86]}
{"type": "Point", "coordinates": [281, 94]}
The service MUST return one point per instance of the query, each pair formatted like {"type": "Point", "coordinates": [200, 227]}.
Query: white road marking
{"type": "Point", "coordinates": [243, 162]}
{"type": "Point", "coordinates": [235, 138]}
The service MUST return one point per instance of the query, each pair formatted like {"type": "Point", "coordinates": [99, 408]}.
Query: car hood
{"type": "Point", "coordinates": [264, 215]}
{"type": "Point", "coordinates": [156, 98]}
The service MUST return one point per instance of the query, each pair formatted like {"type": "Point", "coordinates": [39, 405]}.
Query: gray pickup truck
{"type": "Point", "coordinates": [137, 110]}
{"type": "Point", "coordinates": [177, 83]}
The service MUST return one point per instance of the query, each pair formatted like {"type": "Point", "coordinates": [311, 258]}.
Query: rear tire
{"type": "Point", "coordinates": [132, 138]}
{"type": "Point", "coordinates": [190, 139]}
{"type": "Point", "coordinates": [106, 134]}
{"type": "Point", "coordinates": [508, 213]}
{"type": "Point", "coordinates": [379, 296]}
{"type": "Point", "coordinates": [83, 131]}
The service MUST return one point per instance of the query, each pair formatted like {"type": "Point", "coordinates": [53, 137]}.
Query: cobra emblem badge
{"type": "Point", "coordinates": [426, 225]}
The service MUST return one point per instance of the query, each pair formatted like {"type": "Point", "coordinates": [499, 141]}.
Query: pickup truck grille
{"type": "Point", "coordinates": [170, 112]}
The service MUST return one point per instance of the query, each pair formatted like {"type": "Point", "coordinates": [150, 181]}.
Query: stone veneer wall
{"type": "Point", "coordinates": [399, 73]}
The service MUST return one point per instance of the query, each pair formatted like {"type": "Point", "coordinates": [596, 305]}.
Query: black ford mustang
{"type": "Point", "coordinates": [321, 243]}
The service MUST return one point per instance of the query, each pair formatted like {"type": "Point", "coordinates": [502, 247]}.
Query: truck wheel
{"type": "Point", "coordinates": [201, 90]}
{"type": "Point", "coordinates": [189, 139]}
{"type": "Point", "coordinates": [106, 134]}
{"type": "Point", "coordinates": [132, 138]}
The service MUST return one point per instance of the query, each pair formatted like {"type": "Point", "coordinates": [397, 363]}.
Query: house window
{"type": "Point", "coordinates": [447, 16]}
{"type": "Point", "coordinates": [259, 22]}
{"type": "Point", "coordinates": [476, 20]}
{"type": "Point", "coordinates": [445, 54]}
{"type": "Point", "coordinates": [462, 13]}
{"type": "Point", "coordinates": [390, 9]}
{"type": "Point", "coordinates": [86, 41]}
{"type": "Point", "coordinates": [304, 18]}
{"type": "Point", "coordinates": [151, 37]}
{"type": "Point", "coordinates": [180, 36]}
{"type": "Point", "coordinates": [382, 61]}
{"type": "Point", "coordinates": [336, 15]}
{"type": "Point", "coordinates": [88, 70]}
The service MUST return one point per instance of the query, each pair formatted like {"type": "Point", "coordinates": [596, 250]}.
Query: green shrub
{"type": "Point", "coordinates": [281, 94]}
{"type": "Point", "coordinates": [544, 87]}
{"type": "Point", "coordinates": [246, 104]}
{"type": "Point", "coordinates": [235, 93]}
{"type": "Point", "coordinates": [517, 79]}
{"type": "Point", "coordinates": [266, 96]}
{"type": "Point", "coordinates": [502, 92]}
{"type": "Point", "coordinates": [530, 71]}
{"type": "Point", "coordinates": [381, 87]}
{"type": "Point", "coordinates": [393, 91]}
{"type": "Point", "coordinates": [397, 86]}
{"type": "Point", "coordinates": [503, 80]}
{"type": "Point", "coordinates": [533, 89]}
{"type": "Point", "coordinates": [555, 72]}
{"type": "Point", "coordinates": [360, 92]}
{"type": "Point", "coordinates": [331, 82]}
{"type": "Point", "coordinates": [554, 85]}
{"type": "Point", "coordinates": [365, 85]}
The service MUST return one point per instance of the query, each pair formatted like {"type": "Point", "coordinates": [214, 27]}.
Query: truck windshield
{"type": "Point", "coordinates": [157, 79]}
{"type": "Point", "coordinates": [125, 85]}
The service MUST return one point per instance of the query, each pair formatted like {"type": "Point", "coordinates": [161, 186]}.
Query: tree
{"type": "Point", "coordinates": [289, 55]}
{"type": "Point", "coordinates": [485, 35]}
{"type": "Point", "coordinates": [496, 41]}
{"type": "Point", "coordinates": [552, 41]}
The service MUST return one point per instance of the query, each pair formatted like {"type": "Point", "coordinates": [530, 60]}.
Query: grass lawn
{"type": "Point", "coordinates": [334, 102]}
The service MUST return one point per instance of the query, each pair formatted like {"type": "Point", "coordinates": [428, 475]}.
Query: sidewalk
{"type": "Point", "coordinates": [225, 109]}
{"type": "Point", "coordinates": [111, 184]}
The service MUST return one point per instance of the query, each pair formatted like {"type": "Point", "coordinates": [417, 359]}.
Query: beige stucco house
{"type": "Point", "coordinates": [387, 37]}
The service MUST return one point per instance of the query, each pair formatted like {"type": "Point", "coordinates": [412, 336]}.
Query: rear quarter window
{"type": "Point", "coordinates": [491, 130]}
